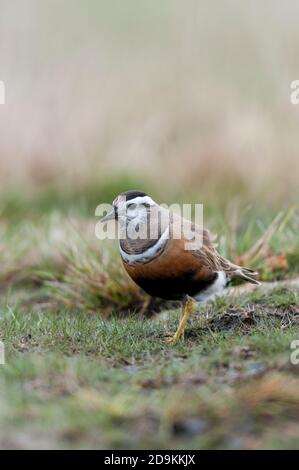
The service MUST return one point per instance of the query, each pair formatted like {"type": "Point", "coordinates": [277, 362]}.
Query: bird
{"type": "Point", "coordinates": [157, 259]}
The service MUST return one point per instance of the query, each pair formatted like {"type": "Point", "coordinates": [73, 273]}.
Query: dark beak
{"type": "Point", "coordinates": [110, 216]}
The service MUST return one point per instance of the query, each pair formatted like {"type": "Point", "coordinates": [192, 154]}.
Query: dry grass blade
{"type": "Point", "coordinates": [261, 247]}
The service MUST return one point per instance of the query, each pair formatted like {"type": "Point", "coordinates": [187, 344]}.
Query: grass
{"type": "Point", "coordinates": [86, 369]}
{"type": "Point", "coordinates": [75, 380]}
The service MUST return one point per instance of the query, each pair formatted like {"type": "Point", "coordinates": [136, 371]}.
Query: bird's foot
{"type": "Point", "coordinates": [180, 333]}
{"type": "Point", "coordinates": [172, 340]}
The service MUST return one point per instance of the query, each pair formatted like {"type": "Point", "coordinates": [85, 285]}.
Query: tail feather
{"type": "Point", "coordinates": [249, 271]}
{"type": "Point", "coordinates": [237, 272]}
{"type": "Point", "coordinates": [232, 271]}
{"type": "Point", "coordinates": [241, 273]}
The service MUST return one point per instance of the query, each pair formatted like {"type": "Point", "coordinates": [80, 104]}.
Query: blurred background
{"type": "Point", "coordinates": [190, 102]}
{"type": "Point", "coordinates": [182, 99]}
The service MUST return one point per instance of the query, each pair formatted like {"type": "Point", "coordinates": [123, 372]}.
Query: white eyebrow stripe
{"type": "Point", "coordinates": [141, 200]}
{"type": "Point", "coordinates": [147, 254]}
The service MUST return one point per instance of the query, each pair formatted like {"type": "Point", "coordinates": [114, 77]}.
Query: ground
{"type": "Point", "coordinates": [74, 380]}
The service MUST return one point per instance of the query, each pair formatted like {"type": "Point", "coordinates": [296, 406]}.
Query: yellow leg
{"type": "Point", "coordinates": [181, 318]}
{"type": "Point", "coordinates": [188, 309]}
{"type": "Point", "coordinates": [145, 305]}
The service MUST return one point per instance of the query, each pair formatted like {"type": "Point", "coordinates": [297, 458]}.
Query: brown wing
{"type": "Point", "coordinates": [207, 255]}
{"type": "Point", "coordinates": [210, 257]}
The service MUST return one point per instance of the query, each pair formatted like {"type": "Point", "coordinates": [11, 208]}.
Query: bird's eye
{"type": "Point", "coordinates": [132, 206]}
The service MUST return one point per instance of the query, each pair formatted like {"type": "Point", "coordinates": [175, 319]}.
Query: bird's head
{"type": "Point", "coordinates": [130, 205]}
